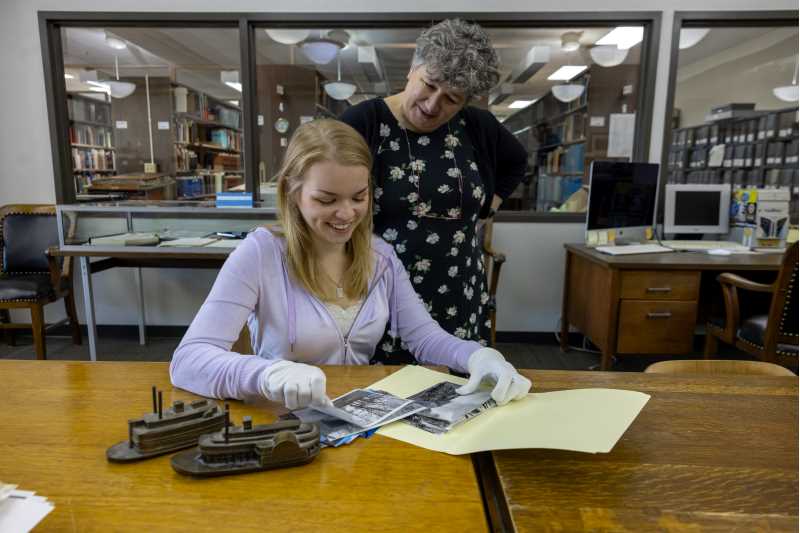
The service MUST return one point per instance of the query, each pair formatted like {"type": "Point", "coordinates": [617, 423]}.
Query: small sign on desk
{"type": "Point", "coordinates": [234, 199]}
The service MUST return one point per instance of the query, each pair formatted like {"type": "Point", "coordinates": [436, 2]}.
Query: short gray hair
{"type": "Point", "coordinates": [460, 55]}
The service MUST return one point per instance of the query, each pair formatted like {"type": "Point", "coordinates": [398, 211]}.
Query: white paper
{"type": "Point", "coordinates": [188, 242]}
{"type": "Point", "coordinates": [620, 134]}
{"type": "Point", "coordinates": [163, 125]}
{"type": "Point", "coordinates": [122, 124]}
{"type": "Point", "coordinates": [22, 510]}
{"type": "Point", "coordinates": [584, 420]}
{"type": "Point", "coordinates": [597, 122]}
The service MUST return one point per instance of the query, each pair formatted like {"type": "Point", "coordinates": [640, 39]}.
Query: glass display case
{"type": "Point", "coordinates": [156, 226]}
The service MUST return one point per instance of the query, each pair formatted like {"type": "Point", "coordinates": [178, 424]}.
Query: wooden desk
{"type": "Point", "coordinates": [716, 453]}
{"type": "Point", "coordinates": [58, 418]}
{"type": "Point", "coordinates": [645, 303]}
{"type": "Point", "coordinates": [136, 257]}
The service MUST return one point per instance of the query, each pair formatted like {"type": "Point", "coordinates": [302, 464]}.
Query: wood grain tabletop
{"type": "Point", "coordinates": [58, 418]}
{"type": "Point", "coordinates": [707, 453]}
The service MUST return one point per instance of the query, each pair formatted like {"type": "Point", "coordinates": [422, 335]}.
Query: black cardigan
{"type": "Point", "coordinates": [500, 157]}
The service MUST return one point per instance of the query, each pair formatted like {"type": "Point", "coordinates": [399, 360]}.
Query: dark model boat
{"type": "Point", "coordinates": [237, 450]}
{"type": "Point", "coordinates": [164, 431]}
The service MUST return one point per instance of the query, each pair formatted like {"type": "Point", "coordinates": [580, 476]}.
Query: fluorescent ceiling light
{"type": "Point", "coordinates": [691, 36]}
{"type": "Point", "coordinates": [231, 79]}
{"type": "Point", "coordinates": [519, 104]}
{"type": "Point", "coordinates": [234, 102]}
{"type": "Point", "coordinates": [623, 37]}
{"type": "Point", "coordinates": [115, 42]}
{"type": "Point", "coordinates": [69, 77]}
{"type": "Point", "coordinates": [567, 72]}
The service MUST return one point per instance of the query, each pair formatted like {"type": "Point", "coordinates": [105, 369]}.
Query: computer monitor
{"type": "Point", "coordinates": [693, 208]}
{"type": "Point", "coordinates": [622, 198]}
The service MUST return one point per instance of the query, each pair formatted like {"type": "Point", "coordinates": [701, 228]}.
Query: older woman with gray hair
{"type": "Point", "coordinates": [441, 168]}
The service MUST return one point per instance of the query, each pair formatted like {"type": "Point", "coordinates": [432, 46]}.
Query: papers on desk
{"type": "Point", "coordinates": [188, 242]}
{"type": "Point", "coordinates": [126, 239]}
{"type": "Point", "coordinates": [21, 510]}
{"type": "Point", "coordinates": [225, 243]}
{"type": "Point", "coordinates": [584, 420]}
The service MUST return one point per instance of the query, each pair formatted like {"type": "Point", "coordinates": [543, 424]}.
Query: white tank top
{"type": "Point", "coordinates": [344, 317]}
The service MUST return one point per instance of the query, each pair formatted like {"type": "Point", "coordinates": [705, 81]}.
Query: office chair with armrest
{"type": "Point", "coordinates": [30, 278]}
{"type": "Point", "coordinates": [492, 262]}
{"type": "Point", "coordinates": [772, 337]}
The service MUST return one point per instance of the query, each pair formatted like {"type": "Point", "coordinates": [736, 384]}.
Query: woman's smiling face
{"type": "Point", "coordinates": [428, 104]}
{"type": "Point", "coordinates": [333, 200]}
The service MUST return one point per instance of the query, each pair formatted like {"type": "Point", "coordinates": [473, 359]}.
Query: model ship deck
{"type": "Point", "coordinates": [164, 431]}
{"type": "Point", "coordinates": [250, 448]}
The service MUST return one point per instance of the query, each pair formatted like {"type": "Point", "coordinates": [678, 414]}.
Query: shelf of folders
{"type": "Point", "coordinates": [755, 151]}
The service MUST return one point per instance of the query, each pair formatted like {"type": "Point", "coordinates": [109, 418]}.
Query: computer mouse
{"type": "Point", "coordinates": [719, 251]}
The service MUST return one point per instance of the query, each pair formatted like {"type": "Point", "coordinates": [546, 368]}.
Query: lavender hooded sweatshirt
{"type": "Point", "coordinates": [287, 322]}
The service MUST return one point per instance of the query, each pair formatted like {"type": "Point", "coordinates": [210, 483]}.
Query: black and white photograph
{"type": "Point", "coordinates": [365, 408]}
{"type": "Point", "coordinates": [445, 408]}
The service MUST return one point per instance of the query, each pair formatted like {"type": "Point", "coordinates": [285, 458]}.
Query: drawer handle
{"type": "Point", "coordinates": [663, 314]}
{"type": "Point", "coordinates": [659, 289]}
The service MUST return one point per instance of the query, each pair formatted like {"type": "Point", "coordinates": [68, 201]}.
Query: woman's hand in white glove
{"type": "Point", "coordinates": [296, 385]}
{"type": "Point", "coordinates": [488, 363]}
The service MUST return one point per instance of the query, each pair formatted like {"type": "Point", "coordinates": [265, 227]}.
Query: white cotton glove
{"type": "Point", "coordinates": [296, 385]}
{"type": "Point", "coordinates": [488, 363]}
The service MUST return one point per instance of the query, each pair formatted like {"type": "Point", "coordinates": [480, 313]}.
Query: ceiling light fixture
{"type": "Point", "coordinates": [69, 77]}
{"type": "Point", "coordinates": [568, 92]}
{"type": "Point", "coordinates": [339, 90]}
{"type": "Point", "coordinates": [321, 50]}
{"type": "Point", "coordinates": [115, 42]}
{"type": "Point", "coordinates": [566, 72]}
{"type": "Point", "coordinates": [691, 36]}
{"type": "Point", "coordinates": [570, 41]}
{"type": "Point", "coordinates": [623, 37]}
{"type": "Point", "coordinates": [788, 93]}
{"type": "Point", "coordinates": [607, 55]}
{"type": "Point", "coordinates": [231, 79]}
{"type": "Point", "coordinates": [287, 36]}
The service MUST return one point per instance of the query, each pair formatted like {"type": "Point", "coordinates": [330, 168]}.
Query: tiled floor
{"type": "Point", "coordinates": [127, 348]}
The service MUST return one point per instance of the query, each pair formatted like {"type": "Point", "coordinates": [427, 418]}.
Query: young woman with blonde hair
{"type": "Point", "coordinates": [318, 291]}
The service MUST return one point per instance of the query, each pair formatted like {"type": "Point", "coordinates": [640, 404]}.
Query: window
{"type": "Point", "coordinates": [153, 113]}
{"type": "Point", "coordinates": [734, 117]}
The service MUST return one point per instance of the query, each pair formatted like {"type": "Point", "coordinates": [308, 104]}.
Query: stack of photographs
{"type": "Point", "coordinates": [445, 408]}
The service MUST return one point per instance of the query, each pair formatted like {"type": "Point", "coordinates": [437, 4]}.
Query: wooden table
{"type": "Point", "coordinates": [646, 303]}
{"type": "Point", "coordinates": [58, 418]}
{"type": "Point", "coordinates": [707, 453]}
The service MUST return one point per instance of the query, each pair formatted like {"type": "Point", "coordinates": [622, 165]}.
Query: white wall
{"type": "Point", "coordinates": [173, 296]}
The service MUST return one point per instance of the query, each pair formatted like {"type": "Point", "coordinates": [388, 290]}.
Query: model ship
{"type": "Point", "coordinates": [249, 448]}
{"type": "Point", "coordinates": [167, 430]}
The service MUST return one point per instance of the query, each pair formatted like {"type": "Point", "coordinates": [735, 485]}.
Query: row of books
{"type": "Point", "coordinates": [226, 138]}
{"type": "Point", "coordinates": [94, 135]}
{"type": "Point", "coordinates": [572, 129]}
{"type": "Point", "coordinates": [769, 178]}
{"type": "Point", "coordinates": [564, 160]}
{"type": "Point", "coordinates": [187, 159]}
{"type": "Point", "coordinates": [757, 154]}
{"type": "Point", "coordinates": [93, 159]}
{"type": "Point", "coordinates": [770, 125]}
{"type": "Point", "coordinates": [552, 191]}
{"type": "Point", "coordinates": [86, 110]}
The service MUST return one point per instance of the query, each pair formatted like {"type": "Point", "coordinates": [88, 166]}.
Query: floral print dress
{"type": "Point", "coordinates": [428, 193]}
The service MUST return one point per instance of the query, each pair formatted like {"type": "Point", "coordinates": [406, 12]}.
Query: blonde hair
{"type": "Point", "coordinates": [317, 142]}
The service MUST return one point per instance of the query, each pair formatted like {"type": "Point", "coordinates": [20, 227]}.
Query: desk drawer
{"type": "Point", "coordinates": [657, 326]}
{"type": "Point", "coordinates": [659, 285]}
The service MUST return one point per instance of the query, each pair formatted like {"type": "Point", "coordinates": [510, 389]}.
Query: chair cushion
{"type": "Point", "coordinates": [25, 288]}
{"type": "Point", "coordinates": [26, 238]}
{"type": "Point", "coordinates": [752, 330]}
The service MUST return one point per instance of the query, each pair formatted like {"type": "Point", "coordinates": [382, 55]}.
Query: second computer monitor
{"type": "Point", "coordinates": [622, 198]}
{"type": "Point", "coordinates": [693, 208]}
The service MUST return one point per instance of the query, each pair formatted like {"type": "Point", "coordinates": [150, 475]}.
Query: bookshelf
{"type": "Point", "coordinates": [207, 144]}
{"type": "Point", "coordinates": [759, 150]}
{"type": "Point", "coordinates": [561, 138]}
{"type": "Point", "coordinates": [91, 137]}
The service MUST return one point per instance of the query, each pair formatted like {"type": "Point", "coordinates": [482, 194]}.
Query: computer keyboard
{"type": "Point", "coordinates": [627, 249]}
{"type": "Point", "coordinates": [705, 245]}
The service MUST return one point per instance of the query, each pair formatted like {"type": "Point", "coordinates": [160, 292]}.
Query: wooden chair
{"type": "Point", "coordinates": [243, 345]}
{"type": "Point", "coordinates": [492, 262]}
{"type": "Point", "coordinates": [30, 278]}
{"type": "Point", "coordinates": [772, 337]}
{"type": "Point", "coordinates": [718, 366]}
